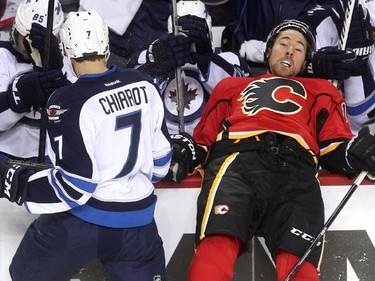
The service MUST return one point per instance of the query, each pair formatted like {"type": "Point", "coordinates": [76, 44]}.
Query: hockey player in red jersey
{"type": "Point", "coordinates": [265, 137]}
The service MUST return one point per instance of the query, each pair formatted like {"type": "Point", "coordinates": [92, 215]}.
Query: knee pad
{"type": "Point", "coordinates": [285, 262]}
{"type": "Point", "coordinates": [215, 258]}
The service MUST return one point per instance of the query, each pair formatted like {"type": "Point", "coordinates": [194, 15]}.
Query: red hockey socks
{"type": "Point", "coordinates": [285, 262]}
{"type": "Point", "coordinates": [215, 258]}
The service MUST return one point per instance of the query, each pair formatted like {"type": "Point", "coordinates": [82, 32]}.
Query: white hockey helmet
{"type": "Point", "coordinates": [84, 34]}
{"type": "Point", "coordinates": [30, 11]}
{"type": "Point", "coordinates": [192, 7]}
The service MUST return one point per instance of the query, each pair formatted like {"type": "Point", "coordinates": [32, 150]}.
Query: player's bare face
{"type": "Point", "coordinates": [288, 54]}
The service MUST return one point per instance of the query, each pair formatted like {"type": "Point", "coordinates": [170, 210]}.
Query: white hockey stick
{"type": "Point", "coordinates": [179, 79]}
{"type": "Point", "coordinates": [347, 21]}
{"type": "Point", "coordinates": [345, 28]}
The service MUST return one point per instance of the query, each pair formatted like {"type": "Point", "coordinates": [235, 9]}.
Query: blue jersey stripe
{"type": "Point", "coordinates": [115, 219]}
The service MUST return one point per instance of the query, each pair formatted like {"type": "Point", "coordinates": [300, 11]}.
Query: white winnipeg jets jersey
{"type": "Point", "coordinates": [19, 132]}
{"type": "Point", "coordinates": [358, 91]}
{"type": "Point", "coordinates": [108, 143]}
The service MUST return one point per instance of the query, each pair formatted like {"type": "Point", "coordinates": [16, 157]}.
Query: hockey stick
{"type": "Point", "coordinates": [43, 111]}
{"type": "Point", "coordinates": [345, 28]}
{"type": "Point", "coordinates": [316, 241]}
{"type": "Point", "coordinates": [28, 164]}
{"type": "Point", "coordinates": [179, 79]}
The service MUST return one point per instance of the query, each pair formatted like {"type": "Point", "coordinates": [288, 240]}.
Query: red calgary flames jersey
{"type": "Point", "coordinates": [310, 110]}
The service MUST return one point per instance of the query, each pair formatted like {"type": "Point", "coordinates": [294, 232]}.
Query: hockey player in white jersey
{"type": "Point", "coordinates": [23, 84]}
{"type": "Point", "coordinates": [108, 144]}
{"type": "Point", "coordinates": [359, 89]}
{"type": "Point", "coordinates": [201, 68]}
{"type": "Point", "coordinates": [357, 76]}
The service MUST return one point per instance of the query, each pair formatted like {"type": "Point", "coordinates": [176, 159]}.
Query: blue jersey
{"type": "Point", "coordinates": [108, 143]}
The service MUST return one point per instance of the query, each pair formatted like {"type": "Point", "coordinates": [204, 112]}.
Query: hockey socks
{"type": "Point", "coordinates": [285, 262]}
{"type": "Point", "coordinates": [215, 258]}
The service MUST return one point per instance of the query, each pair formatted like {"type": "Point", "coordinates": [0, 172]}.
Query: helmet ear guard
{"type": "Point", "coordinates": [297, 25]}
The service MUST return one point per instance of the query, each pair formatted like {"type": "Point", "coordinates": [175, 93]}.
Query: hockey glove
{"type": "Point", "coordinates": [13, 181]}
{"type": "Point", "coordinates": [197, 30]}
{"type": "Point", "coordinates": [333, 63]}
{"type": "Point", "coordinates": [183, 157]}
{"type": "Point", "coordinates": [360, 152]}
{"type": "Point", "coordinates": [33, 89]}
{"type": "Point", "coordinates": [37, 36]}
{"type": "Point", "coordinates": [360, 30]}
{"type": "Point", "coordinates": [360, 33]}
{"type": "Point", "coordinates": [169, 52]}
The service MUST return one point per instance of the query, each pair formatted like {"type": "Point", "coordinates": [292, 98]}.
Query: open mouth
{"type": "Point", "coordinates": [286, 63]}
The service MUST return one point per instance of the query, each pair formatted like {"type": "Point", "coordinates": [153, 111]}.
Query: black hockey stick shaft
{"type": "Point", "coordinates": [46, 59]}
{"type": "Point", "coordinates": [179, 78]}
{"type": "Point", "coordinates": [335, 213]}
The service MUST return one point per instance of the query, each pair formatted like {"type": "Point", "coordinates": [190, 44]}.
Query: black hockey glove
{"type": "Point", "coordinates": [197, 30]}
{"type": "Point", "coordinates": [38, 35]}
{"type": "Point", "coordinates": [333, 63]}
{"type": "Point", "coordinates": [360, 30]}
{"type": "Point", "coordinates": [360, 152]}
{"type": "Point", "coordinates": [183, 157]}
{"type": "Point", "coordinates": [360, 33]}
{"type": "Point", "coordinates": [33, 89]}
{"type": "Point", "coordinates": [13, 181]}
{"type": "Point", "coordinates": [169, 52]}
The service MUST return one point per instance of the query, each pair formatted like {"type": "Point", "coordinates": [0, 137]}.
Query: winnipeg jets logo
{"type": "Point", "coordinates": [54, 112]}
{"type": "Point", "coordinates": [279, 95]}
{"type": "Point", "coordinates": [194, 98]}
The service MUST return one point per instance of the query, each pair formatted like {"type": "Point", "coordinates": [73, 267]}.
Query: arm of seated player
{"type": "Point", "coordinates": [352, 156]}
{"type": "Point", "coordinates": [14, 178]}
{"type": "Point", "coordinates": [186, 157]}
{"type": "Point", "coordinates": [161, 144]}
{"type": "Point", "coordinates": [163, 55]}
{"type": "Point", "coordinates": [224, 65]}
{"type": "Point", "coordinates": [8, 118]}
